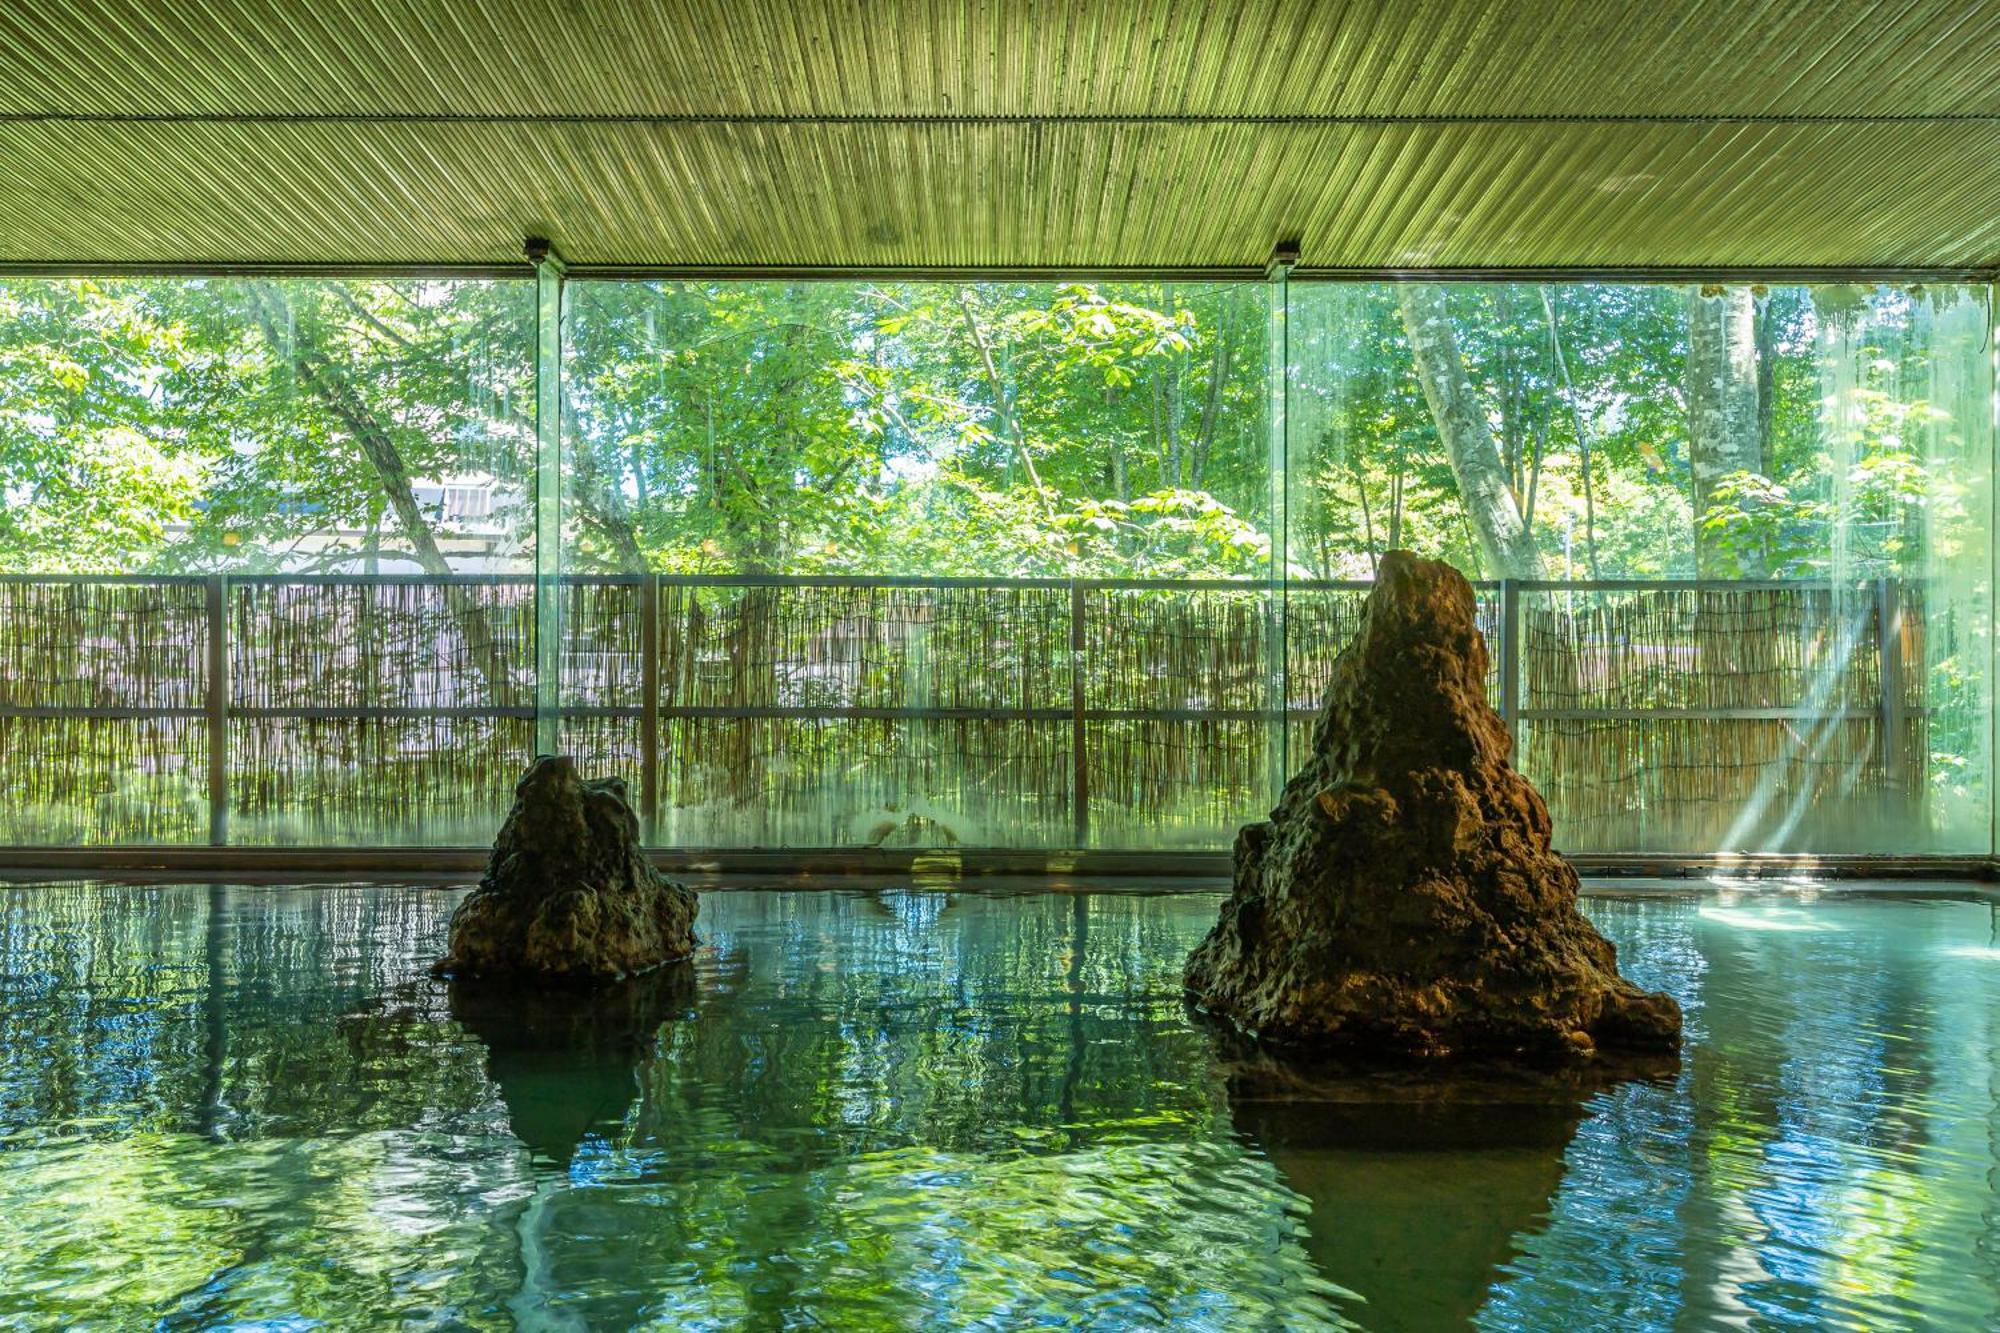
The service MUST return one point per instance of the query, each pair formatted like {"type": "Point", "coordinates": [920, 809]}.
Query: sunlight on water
{"type": "Point", "coordinates": [1767, 917]}
{"type": "Point", "coordinates": [918, 1110]}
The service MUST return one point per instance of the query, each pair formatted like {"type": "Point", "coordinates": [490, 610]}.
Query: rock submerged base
{"type": "Point", "coordinates": [567, 1059]}
{"type": "Point", "coordinates": [568, 894]}
{"type": "Point", "coordinates": [1403, 902]}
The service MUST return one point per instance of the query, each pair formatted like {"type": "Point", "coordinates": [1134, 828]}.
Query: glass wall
{"type": "Point", "coordinates": [1747, 531]}
{"type": "Point", "coordinates": [982, 564]}
{"type": "Point", "coordinates": [262, 558]}
{"type": "Point", "coordinates": [931, 556]}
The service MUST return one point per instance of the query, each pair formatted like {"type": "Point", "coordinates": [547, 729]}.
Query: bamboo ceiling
{"type": "Point", "coordinates": [930, 134]}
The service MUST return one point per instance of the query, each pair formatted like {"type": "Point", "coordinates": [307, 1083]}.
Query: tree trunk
{"type": "Point", "coordinates": [1211, 408]}
{"type": "Point", "coordinates": [331, 387]}
{"type": "Point", "coordinates": [1767, 385]}
{"type": "Point", "coordinates": [1582, 438]}
{"type": "Point", "coordinates": [1505, 542]}
{"type": "Point", "coordinates": [1723, 429]}
{"type": "Point", "coordinates": [1396, 505]}
{"type": "Point", "coordinates": [1117, 478]}
{"type": "Point", "coordinates": [1006, 426]}
{"type": "Point", "coordinates": [1367, 523]}
{"type": "Point", "coordinates": [599, 499]}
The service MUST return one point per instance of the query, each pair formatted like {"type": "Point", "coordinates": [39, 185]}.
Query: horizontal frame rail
{"type": "Point", "coordinates": [807, 713]}
{"type": "Point", "coordinates": [809, 867]}
{"type": "Point", "coordinates": [920, 581]}
{"type": "Point", "coordinates": [485, 269]}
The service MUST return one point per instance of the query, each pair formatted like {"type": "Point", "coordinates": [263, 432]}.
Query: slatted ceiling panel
{"type": "Point", "coordinates": [1366, 129]}
{"type": "Point", "coordinates": [978, 195]}
{"type": "Point", "coordinates": [1004, 57]}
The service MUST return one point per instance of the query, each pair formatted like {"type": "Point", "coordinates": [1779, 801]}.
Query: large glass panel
{"type": "Point", "coordinates": [981, 563]}
{"type": "Point", "coordinates": [926, 563]}
{"type": "Point", "coordinates": [1748, 531]}
{"type": "Point", "coordinates": [283, 519]}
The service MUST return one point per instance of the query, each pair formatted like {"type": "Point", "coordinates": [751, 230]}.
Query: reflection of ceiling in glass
{"type": "Point", "coordinates": [1135, 132]}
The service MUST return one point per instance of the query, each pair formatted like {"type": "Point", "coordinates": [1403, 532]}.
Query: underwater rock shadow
{"type": "Point", "coordinates": [567, 1060]}
{"type": "Point", "coordinates": [1421, 1183]}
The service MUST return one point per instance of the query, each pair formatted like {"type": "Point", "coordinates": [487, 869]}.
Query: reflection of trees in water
{"type": "Point", "coordinates": [1803, 1167]}
{"type": "Point", "coordinates": [887, 1105]}
{"type": "Point", "coordinates": [875, 1093]}
{"type": "Point", "coordinates": [1767, 1046]}
{"type": "Point", "coordinates": [872, 1077]}
{"type": "Point", "coordinates": [228, 1012]}
{"type": "Point", "coordinates": [219, 1111]}
{"type": "Point", "coordinates": [950, 1021]}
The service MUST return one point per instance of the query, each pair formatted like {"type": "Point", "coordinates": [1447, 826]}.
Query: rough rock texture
{"type": "Point", "coordinates": [568, 894]}
{"type": "Point", "coordinates": [1403, 901]}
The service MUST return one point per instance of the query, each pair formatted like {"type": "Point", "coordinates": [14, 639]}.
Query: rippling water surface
{"type": "Point", "coordinates": [247, 1107]}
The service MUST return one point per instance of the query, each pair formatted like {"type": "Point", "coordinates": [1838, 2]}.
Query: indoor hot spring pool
{"type": "Point", "coordinates": [921, 1109]}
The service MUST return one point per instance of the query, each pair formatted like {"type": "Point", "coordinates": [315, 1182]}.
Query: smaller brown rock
{"type": "Point", "coordinates": [568, 894]}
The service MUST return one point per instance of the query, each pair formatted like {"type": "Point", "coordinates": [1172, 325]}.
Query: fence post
{"type": "Point", "coordinates": [1889, 644]}
{"type": "Point", "coordinates": [217, 709]}
{"type": "Point", "coordinates": [649, 704]}
{"type": "Point", "coordinates": [1510, 657]}
{"type": "Point", "coordinates": [1278, 689]}
{"type": "Point", "coordinates": [1079, 750]}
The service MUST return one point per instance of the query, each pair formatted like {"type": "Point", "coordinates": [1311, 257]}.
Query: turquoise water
{"type": "Point", "coordinates": [247, 1108]}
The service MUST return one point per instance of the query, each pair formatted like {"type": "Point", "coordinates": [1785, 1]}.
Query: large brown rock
{"type": "Point", "coordinates": [568, 893]}
{"type": "Point", "coordinates": [1403, 901]}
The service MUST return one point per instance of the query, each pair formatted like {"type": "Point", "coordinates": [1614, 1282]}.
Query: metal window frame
{"type": "Point", "coordinates": [1776, 275]}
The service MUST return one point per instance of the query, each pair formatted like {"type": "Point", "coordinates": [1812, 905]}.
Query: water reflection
{"type": "Point", "coordinates": [923, 1109]}
{"type": "Point", "coordinates": [1393, 1222]}
{"type": "Point", "coordinates": [569, 1063]}
{"type": "Point", "coordinates": [1384, 1157]}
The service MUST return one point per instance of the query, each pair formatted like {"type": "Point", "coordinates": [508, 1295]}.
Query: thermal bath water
{"type": "Point", "coordinates": [248, 1107]}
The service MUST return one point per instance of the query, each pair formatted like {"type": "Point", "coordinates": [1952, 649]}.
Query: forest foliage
{"type": "Point", "coordinates": [995, 428]}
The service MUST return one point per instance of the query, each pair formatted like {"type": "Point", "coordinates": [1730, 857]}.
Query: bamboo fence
{"type": "Point", "coordinates": [841, 712]}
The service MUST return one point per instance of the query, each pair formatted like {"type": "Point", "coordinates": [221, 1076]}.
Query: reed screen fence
{"type": "Point", "coordinates": [842, 712]}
